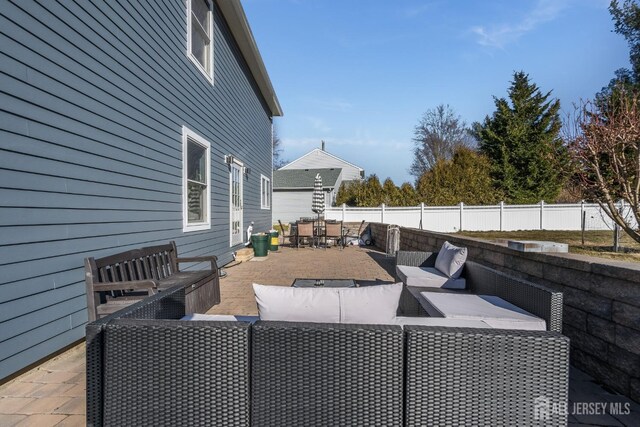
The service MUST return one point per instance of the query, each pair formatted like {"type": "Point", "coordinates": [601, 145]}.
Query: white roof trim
{"type": "Point", "coordinates": [237, 20]}
{"type": "Point", "coordinates": [323, 151]}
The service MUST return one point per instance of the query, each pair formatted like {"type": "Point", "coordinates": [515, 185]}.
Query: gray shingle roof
{"type": "Point", "coordinates": [304, 178]}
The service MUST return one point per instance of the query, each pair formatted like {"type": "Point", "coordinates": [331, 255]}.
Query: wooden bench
{"type": "Point", "coordinates": [119, 280]}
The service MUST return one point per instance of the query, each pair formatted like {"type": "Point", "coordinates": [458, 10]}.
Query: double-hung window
{"type": "Point", "coordinates": [200, 35]}
{"type": "Point", "coordinates": [265, 192]}
{"type": "Point", "coordinates": [196, 186]}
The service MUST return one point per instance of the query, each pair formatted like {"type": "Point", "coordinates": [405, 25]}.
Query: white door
{"type": "Point", "coordinates": [236, 203]}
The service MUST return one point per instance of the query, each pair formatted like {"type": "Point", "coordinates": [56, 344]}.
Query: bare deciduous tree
{"type": "Point", "coordinates": [605, 144]}
{"type": "Point", "coordinates": [436, 137]}
{"type": "Point", "coordinates": [278, 161]}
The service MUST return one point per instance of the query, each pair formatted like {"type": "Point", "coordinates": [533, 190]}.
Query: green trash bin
{"type": "Point", "coordinates": [273, 240]}
{"type": "Point", "coordinates": [260, 243]}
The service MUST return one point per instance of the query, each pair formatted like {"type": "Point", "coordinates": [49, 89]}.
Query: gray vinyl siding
{"type": "Point", "coordinates": [291, 205]}
{"type": "Point", "coordinates": [318, 159]}
{"type": "Point", "coordinates": [93, 97]}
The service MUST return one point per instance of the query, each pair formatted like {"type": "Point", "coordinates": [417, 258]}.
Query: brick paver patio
{"type": "Point", "coordinates": [53, 394]}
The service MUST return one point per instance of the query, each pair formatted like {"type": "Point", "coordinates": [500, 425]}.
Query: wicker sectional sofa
{"type": "Point", "coordinates": [147, 367]}
{"type": "Point", "coordinates": [538, 300]}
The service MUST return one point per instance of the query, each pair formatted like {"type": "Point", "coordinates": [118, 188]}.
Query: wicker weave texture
{"type": "Point", "coordinates": [312, 375]}
{"type": "Point", "coordinates": [172, 373]}
{"type": "Point", "coordinates": [484, 377]}
{"type": "Point", "coordinates": [536, 299]}
{"type": "Point", "coordinates": [166, 305]}
{"type": "Point", "coordinates": [169, 304]}
{"type": "Point", "coordinates": [416, 259]}
{"type": "Point", "coordinates": [408, 305]}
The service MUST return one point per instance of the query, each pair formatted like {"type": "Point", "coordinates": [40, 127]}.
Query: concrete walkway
{"type": "Point", "coordinates": [53, 394]}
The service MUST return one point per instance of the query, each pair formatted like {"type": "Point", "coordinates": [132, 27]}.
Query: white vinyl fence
{"type": "Point", "coordinates": [500, 217]}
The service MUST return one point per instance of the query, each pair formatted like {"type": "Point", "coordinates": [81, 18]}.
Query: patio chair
{"type": "Point", "coordinates": [333, 230]}
{"type": "Point", "coordinates": [304, 230]}
{"type": "Point", "coordinates": [282, 232]}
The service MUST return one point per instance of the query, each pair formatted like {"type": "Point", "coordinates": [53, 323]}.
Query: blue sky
{"type": "Point", "coordinates": [359, 74]}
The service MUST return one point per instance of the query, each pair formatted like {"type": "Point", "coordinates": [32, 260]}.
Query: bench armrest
{"type": "Point", "coordinates": [416, 259]}
{"type": "Point", "coordinates": [212, 259]}
{"type": "Point", "coordinates": [122, 286]}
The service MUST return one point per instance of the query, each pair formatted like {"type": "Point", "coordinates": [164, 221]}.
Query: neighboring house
{"type": "Point", "coordinates": [293, 191]}
{"type": "Point", "coordinates": [123, 124]}
{"type": "Point", "coordinates": [321, 159]}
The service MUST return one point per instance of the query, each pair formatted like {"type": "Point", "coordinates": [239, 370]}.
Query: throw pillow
{"type": "Point", "coordinates": [450, 260]}
{"type": "Point", "coordinates": [320, 305]}
{"type": "Point", "coordinates": [370, 304]}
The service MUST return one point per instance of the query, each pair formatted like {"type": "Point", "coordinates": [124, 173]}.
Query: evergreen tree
{"type": "Point", "coordinates": [408, 195]}
{"type": "Point", "coordinates": [391, 193]}
{"type": "Point", "coordinates": [465, 178]}
{"type": "Point", "coordinates": [522, 142]}
{"type": "Point", "coordinates": [626, 18]}
{"type": "Point", "coordinates": [371, 194]}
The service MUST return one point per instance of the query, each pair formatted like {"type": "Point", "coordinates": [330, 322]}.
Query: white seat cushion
{"type": "Point", "coordinates": [450, 260]}
{"type": "Point", "coordinates": [492, 310]}
{"type": "Point", "coordinates": [318, 305]}
{"type": "Point", "coordinates": [370, 304]}
{"type": "Point", "coordinates": [441, 321]}
{"type": "Point", "coordinates": [428, 277]}
{"type": "Point", "coordinates": [221, 317]}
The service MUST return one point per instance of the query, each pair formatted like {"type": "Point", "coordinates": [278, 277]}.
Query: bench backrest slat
{"type": "Point", "coordinates": [153, 262]}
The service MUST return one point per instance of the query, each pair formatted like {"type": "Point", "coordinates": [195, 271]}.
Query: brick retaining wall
{"type": "Point", "coordinates": [601, 300]}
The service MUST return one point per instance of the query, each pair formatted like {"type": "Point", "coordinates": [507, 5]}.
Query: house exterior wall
{"type": "Point", "coordinates": [291, 205]}
{"type": "Point", "coordinates": [318, 159]}
{"type": "Point", "coordinates": [94, 97]}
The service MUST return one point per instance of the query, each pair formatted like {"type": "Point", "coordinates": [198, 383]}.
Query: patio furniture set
{"type": "Point", "coordinates": [313, 231]}
{"type": "Point", "coordinates": [336, 355]}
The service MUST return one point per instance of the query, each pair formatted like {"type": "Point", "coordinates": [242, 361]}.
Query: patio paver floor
{"type": "Point", "coordinates": [53, 394]}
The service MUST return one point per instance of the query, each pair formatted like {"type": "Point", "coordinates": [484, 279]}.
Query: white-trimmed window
{"type": "Point", "coordinates": [200, 35]}
{"type": "Point", "coordinates": [196, 181]}
{"type": "Point", "coordinates": [265, 192]}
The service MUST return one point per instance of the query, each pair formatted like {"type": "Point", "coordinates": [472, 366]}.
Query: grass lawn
{"type": "Point", "coordinates": [596, 243]}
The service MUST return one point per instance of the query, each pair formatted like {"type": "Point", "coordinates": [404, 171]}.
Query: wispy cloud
{"type": "Point", "coordinates": [500, 35]}
{"type": "Point", "coordinates": [317, 123]}
{"type": "Point", "coordinates": [339, 105]}
{"type": "Point", "coordinates": [413, 11]}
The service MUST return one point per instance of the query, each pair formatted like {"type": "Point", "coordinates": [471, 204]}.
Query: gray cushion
{"type": "Point", "coordinates": [450, 260]}
{"type": "Point", "coordinates": [221, 317]}
{"type": "Point", "coordinates": [492, 310]}
{"type": "Point", "coordinates": [440, 321]}
{"type": "Point", "coordinates": [298, 304]}
{"type": "Point", "coordinates": [371, 304]}
{"type": "Point", "coordinates": [427, 277]}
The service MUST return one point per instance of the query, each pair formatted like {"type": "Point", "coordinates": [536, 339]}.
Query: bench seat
{"type": "Point", "coordinates": [492, 310]}
{"type": "Point", "coordinates": [117, 281]}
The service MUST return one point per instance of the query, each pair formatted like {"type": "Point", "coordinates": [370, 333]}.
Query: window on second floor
{"type": "Point", "coordinates": [200, 35]}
